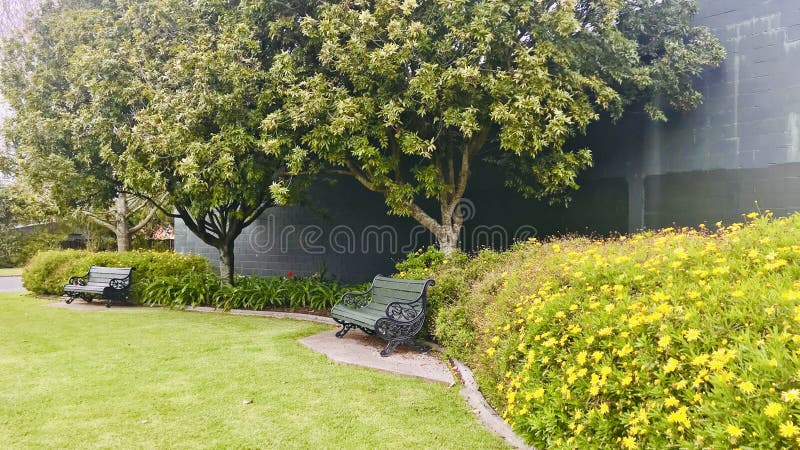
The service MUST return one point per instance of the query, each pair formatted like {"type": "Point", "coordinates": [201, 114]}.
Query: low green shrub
{"type": "Point", "coordinates": [671, 339]}
{"type": "Point", "coordinates": [48, 271]}
{"type": "Point", "coordinates": [254, 293]}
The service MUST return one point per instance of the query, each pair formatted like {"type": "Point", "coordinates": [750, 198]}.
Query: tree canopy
{"type": "Point", "coordinates": [66, 78]}
{"type": "Point", "coordinates": [405, 95]}
{"type": "Point", "coordinates": [205, 72]}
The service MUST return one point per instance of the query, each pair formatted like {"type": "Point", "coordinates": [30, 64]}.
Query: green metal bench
{"type": "Point", "coordinates": [392, 308]}
{"type": "Point", "coordinates": [110, 283]}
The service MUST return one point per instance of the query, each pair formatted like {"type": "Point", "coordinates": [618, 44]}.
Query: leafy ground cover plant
{"type": "Point", "coordinates": [254, 293]}
{"type": "Point", "coordinates": [675, 338]}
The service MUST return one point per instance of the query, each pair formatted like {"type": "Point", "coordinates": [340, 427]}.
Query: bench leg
{"type": "Point", "coordinates": [422, 348]}
{"type": "Point", "coordinates": [390, 347]}
{"type": "Point", "coordinates": [69, 300]}
{"type": "Point", "coordinates": [345, 328]}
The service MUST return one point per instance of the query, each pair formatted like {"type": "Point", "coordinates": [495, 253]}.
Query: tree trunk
{"type": "Point", "coordinates": [447, 238]}
{"type": "Point", "coordinates": [122, 227]}
{"type": "Point", "coordinates": [226, 260]}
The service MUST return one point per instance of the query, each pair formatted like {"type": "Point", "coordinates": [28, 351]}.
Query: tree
{"type": "Point", "coordinates": [205, 69]}
{"type": "Point", "coordinates": [405, 95]}
{"type": "Point", "coordinates": [72, 97]}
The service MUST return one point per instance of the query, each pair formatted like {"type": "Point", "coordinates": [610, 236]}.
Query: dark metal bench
{"type": "Point", "coordinates": [392, 308]}
{"type": "Point", "coordinates": [110, 283]}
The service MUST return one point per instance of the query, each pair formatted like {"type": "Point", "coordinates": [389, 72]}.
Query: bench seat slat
{"type": "Point", "coordinates": [355, 316]}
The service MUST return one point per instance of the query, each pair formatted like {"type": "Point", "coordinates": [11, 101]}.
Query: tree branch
{"type": "Point", "coordinates": [135, 229]}
{"type": "Point", "coordinates": [362, 178]}
{"type": "Point", "coordinates": [100, 221]}
{"type": "Point", "coordinates": [155, 203]}
{"type": "Point", "coordinates": [424, 218]}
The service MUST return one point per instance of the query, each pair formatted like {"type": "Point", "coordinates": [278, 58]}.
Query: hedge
{"type": "Point", "coordinates": [48, 271]}
{"type": "Point", "coordinates": [175, 280]}
{"type": "Point", "coordinates": [672, 339]}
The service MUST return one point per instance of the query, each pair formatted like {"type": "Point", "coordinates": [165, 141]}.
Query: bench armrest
{"type": "Point", "coordinates": [410, 311]}
{"type": "Point", "coordinates": [356, 300]}
{"type": "Point", "coordinates": [83, 279]}
{"type": "Point", "coordinates": [406, 311]}
{"type": "Point", "coordinates": [120, 283]}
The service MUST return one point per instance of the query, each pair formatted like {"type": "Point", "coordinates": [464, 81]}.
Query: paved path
{"type": "Point", "coordinates": [358, 349]}
{"type": "Point", "coordinates": [11, 284]}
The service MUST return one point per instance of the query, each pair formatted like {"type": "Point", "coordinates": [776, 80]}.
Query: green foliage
{"type": "Point", "coordinates": [19, 206]}
{"type": "Point", "coordinates": [675, 338]}
{"type": "Point", "coordinates": [191, 289]}
{"type": "Point", "coordinates": [71, 94]}
{"type": "Point", "coordinates": [198, 135]}
{"type": "Point", "coordinates": [253, 293]}
{"type": "Point", "coordinates": [403, 96]}
{"type": "Point", "coordinates": [421, 264]}
{"type": "Point", "coordinates": [49, 271]}
{"type": "Point", "coordinates": [27, 244]}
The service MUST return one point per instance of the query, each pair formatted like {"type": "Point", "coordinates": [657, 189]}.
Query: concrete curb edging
{"type": "Point", "coordinates": [486, 415]}
{"type": "Point", "coordinates": [273, 314]}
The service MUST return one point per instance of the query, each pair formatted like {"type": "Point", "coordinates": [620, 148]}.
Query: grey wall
{"type": "Point", "coordinates": [740, 147]}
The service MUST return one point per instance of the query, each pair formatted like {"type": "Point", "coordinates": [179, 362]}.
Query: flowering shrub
{"type": "Point", "coordinates": [677, 338]}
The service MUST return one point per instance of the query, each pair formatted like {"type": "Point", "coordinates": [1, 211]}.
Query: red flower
{"type": "Point", "coordinates": [289, 275]}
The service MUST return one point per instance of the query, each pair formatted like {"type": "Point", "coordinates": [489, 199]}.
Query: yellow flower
{"type": "Point", "coordinates": [691, 334]}
{"type": "Point", "coordinates": [788, 429]}
{"type": "Point", "coordinates": [681, 416]}
{"type": "Point", "coordinates": [664, 341]}
{"type": "Point", "coordinates": [671, 365]}
{"type": "Point", "coordinates": [626, 350]}
{"type": "Point", "coordinates": [792, 395]}
{"type": "Point", "coordinates": [747, 387]}
{"type": "Point", "coordinates": [629, 443]}
{"type": "Point", "coordinates": [671, 402]}
{"type": "Point", "coordinates": [604, 408]}
{"type": "Point", "coordinates": [737, 294]}
{"type": "Point", "coordinates": [734, 431]}
{"type": "Point", "coordinates": [490, 351]}
{"type": "Point", "coordinates": [581, 358]}
{"type": "Point", "coordinates": [773, 409]}
{"type": "Point", "coordinates": [605, 371]}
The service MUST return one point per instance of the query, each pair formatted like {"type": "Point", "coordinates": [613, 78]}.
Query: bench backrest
{"type": "Point", "coordinates": [103, 275]}
{"type": "Point", "coordinates": [386, 290]}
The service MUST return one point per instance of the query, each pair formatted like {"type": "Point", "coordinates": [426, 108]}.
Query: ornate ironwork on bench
{"type": "Point", "coordinates": [392, 308]}
{"type": "Point", "coordinates": [110, 283]}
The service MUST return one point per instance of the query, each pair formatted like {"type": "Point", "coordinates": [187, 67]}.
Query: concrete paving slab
{"type": "Point", "coordinates": [359, 349]}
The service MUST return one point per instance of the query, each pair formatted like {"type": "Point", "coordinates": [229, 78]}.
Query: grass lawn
{"type": "Point", "coordinates": [158, 378]}
{"type": "Point", "coordinates": [11, 272]}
